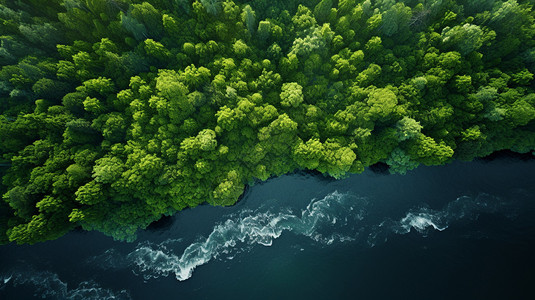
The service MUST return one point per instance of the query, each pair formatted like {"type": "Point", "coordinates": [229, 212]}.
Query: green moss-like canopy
{"type": "Point", "coordinates": [116, 112]}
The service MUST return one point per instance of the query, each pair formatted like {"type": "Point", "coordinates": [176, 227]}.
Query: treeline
{"type": "Point", "coordinates": [116, 112]}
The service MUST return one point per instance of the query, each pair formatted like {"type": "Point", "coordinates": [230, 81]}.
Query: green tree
{"type": "Point", "coordinates": [323, 10]}
{"type": "Point", "coordinates": [428, 152]}
{"type": "Point", "coordinates": [465, 39]}
{"type": "Point", "coordinates": [396, 19]}
{"type": "Point", "coordinates": [382, 104]}
{"type": "Point", "coordinates": [408, 128]}
{"type": "Point", "coordinates": [291, 94]}
{"type": "Point", "coordinates": [400, 162]}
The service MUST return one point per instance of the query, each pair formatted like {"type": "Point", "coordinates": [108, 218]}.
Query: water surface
{"type": "Point", "coordinates": [463, 231]}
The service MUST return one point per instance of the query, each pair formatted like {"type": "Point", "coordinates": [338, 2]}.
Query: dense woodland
{"type": "Point", "coordinates": [117, 112]}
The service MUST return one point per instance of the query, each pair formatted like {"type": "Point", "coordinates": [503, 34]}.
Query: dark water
{"type": "Point", "coordinates": [462, 231]}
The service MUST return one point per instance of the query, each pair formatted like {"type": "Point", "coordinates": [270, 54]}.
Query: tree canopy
{"type": "Point", "coordinates": [114, 113]}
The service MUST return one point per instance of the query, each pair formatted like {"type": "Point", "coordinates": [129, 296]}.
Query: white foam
{"type": "Point", "coordinates": [424, 220]}
{"type": "Point", "coordinates": [7, 279]}
{"type": "Point", "coordinates": [337, 218]}
{"type": "Point", "coordinates": [46, 284]}
{"type": "Point", "coordinates": [421, 222]}
{"type": "Point", "coordinates": [260, 228]}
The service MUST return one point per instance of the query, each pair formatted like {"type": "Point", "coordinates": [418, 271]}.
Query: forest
{"type": "Point", "coordinates": [114, 113]}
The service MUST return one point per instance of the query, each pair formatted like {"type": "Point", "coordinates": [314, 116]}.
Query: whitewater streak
{"type": "Point", "coordinates": [317, 221]}
{"type": "Point", "coordinates": [336, 218]}
{"type": "Point", "coordinates": [425, 220]}
{"type": "Point", "coordinates": [46, 284]}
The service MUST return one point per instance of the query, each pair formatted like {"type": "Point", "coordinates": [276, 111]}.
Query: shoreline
{"type": "Point", "coordinates": [379, 168]}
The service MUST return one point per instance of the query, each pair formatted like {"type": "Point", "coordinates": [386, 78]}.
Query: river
{"type": "Point", "coordinates": [461, 231]}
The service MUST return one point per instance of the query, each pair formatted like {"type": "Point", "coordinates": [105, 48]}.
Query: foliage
{"type": "Point", "coordinates": [114, 113]}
